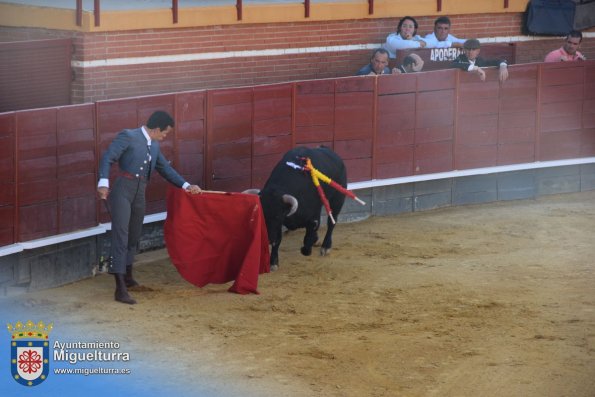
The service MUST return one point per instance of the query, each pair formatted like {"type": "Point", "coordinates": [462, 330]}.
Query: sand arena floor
{"type": "Point", "coordinates": [485, 300]}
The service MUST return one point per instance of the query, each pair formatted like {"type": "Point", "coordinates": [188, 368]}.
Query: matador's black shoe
{"type": "Point", "coordinates": [129, 280]}
{"type": "Point", "coordinates": [122, 294]}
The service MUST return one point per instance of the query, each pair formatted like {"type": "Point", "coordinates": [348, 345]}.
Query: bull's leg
{"type": "Point", "coordinates": [336, 205]}
{"type": "Point", "coordinates": [274, 262]}
{"type": "Point", "coordinates": [327, 244]}
{"type": "Point", "coordinates": [311, 237]}
{"type": "Point", "coordinates": [277, 237]}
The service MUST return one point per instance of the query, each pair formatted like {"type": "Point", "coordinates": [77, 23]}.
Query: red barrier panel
{"type": "Point", "coordinates": [477, 121]}
{"type": "Point", "coordinates": [7, 178]}
{"type": "Point", "coordinates": [315, 112]}
{"type": "Point", "coordinates": [37, 174]}
{"type": "Point", "coordinates": [395, 135]}
{"type": "Point", "coordinates": [76, 167]}
{"type": "Point", "coordinates": [588, 132]}
{"type": "Point", "coordinates": [434, 131]}
{"type": "Point", "coordinates": [561, 105]}
{"type": "Point", "coordinates": [190, 135]}
{"type": "Point", "coordinates": [517, 116]}
{"type": "Point", "coordinates": [229, 154]}
{"type": "Point", "coordinates": [272, 129]}
{"type": "Point", "coordinates": [354, 125]}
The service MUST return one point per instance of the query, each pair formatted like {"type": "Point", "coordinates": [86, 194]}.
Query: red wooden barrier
{"type": "Point", "coordinates": [229, 139]}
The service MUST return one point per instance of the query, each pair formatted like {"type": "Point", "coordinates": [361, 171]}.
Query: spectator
{"type": "Point", "coordinates": [569, 51]}
{"type": "Point", "coordinates": [405, 37]}
{"type": "Point", "coordinates": [470, 61]}
{"type": "Point", "coordinates": [378, 64]}
{"type": "Point", "coordinates": [441, 38]}
{"type": "Point", "coordinates": [411, 63]}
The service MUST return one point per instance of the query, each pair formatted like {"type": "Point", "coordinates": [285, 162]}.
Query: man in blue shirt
{"type": "Point", "coordinates": [378, 64]}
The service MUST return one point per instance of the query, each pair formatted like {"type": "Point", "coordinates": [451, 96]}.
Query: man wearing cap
{"type": "Point", "coordinates": [470, 61]}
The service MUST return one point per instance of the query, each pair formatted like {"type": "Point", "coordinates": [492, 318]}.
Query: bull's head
{"type": "Point", "coordinates": [275, 207]}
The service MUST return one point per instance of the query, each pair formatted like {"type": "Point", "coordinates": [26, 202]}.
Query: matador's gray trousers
{"type": "Point", "coordinates": [127, 206]}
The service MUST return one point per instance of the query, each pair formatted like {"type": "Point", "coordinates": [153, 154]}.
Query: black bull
{"type": "Point", "coordinates": [289, 198]}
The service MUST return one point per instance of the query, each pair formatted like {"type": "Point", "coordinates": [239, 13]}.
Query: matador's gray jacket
{"type": "Point", "coordinates": [129, 149]}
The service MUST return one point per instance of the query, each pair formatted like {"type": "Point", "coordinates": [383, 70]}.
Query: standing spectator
{"type": "Point", "coordinates": [138, 155]}
{"type": "Point", "coordinates": [441, 38]}
{"type": "Point", "coordinates": [405, 37]}
{"type": "Point", "coordinates": [378, 64]}
{"type": "Point", "coordinates": [470, 61]}
{"type": "Point", "coordinates": [412, 63]}
{"type": "Point", "coordinates": [569, 51]}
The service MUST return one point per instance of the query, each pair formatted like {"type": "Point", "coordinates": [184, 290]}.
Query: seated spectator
{"type": "Point", "coordinates": [569, 51]}
{"type": "Point", "coordinates": [378, 64]}
{"type": "Point", "coordinates": [441, 38]}
{"type": "Point", "coordinates": [411, 63]}
{"type": "Point", "coordinates": [405, 37]}
{"type": "Point", "coordinates": [470, 61]}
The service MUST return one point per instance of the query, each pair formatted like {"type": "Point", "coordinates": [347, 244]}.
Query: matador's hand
{"type": "Point", "coordinates": [103, 192]}
{"type": "Point", "coordinates": [194, 189]}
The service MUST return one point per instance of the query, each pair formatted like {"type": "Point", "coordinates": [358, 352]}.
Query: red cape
{"type": "Point", "coordinates": [217, 238]}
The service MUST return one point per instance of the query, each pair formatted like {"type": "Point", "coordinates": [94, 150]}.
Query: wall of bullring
{"type": "Point", "coordinates": [117, 60]}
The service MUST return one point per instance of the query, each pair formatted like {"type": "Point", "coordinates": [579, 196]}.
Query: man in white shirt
{"type": "Point", "coordinates": [441, 37]}
{"type": "Point", "coordinates": [404, 38]}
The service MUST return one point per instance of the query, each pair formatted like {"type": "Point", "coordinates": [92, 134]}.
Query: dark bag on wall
{"type": "Point", "coordinates": [550, 17]}
{"type": "Point", "coordinates": [584, 16]}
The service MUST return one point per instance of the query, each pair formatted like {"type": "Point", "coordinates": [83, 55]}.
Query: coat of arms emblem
{"type": "Point", "coordinates": [29, 352]}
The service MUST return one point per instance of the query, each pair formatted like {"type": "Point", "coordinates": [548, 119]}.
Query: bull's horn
{"type": "Point", "coordinates": [251, 191]}
{"type": "Point", "coordinates": [289, 199]}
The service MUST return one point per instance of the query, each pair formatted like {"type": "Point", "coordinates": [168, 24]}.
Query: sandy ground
{"type": "Point", "coordinates": [486, 300]}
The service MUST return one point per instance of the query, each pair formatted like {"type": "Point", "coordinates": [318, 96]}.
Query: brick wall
{"type": "Point", "coordinates": [152, 76]}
